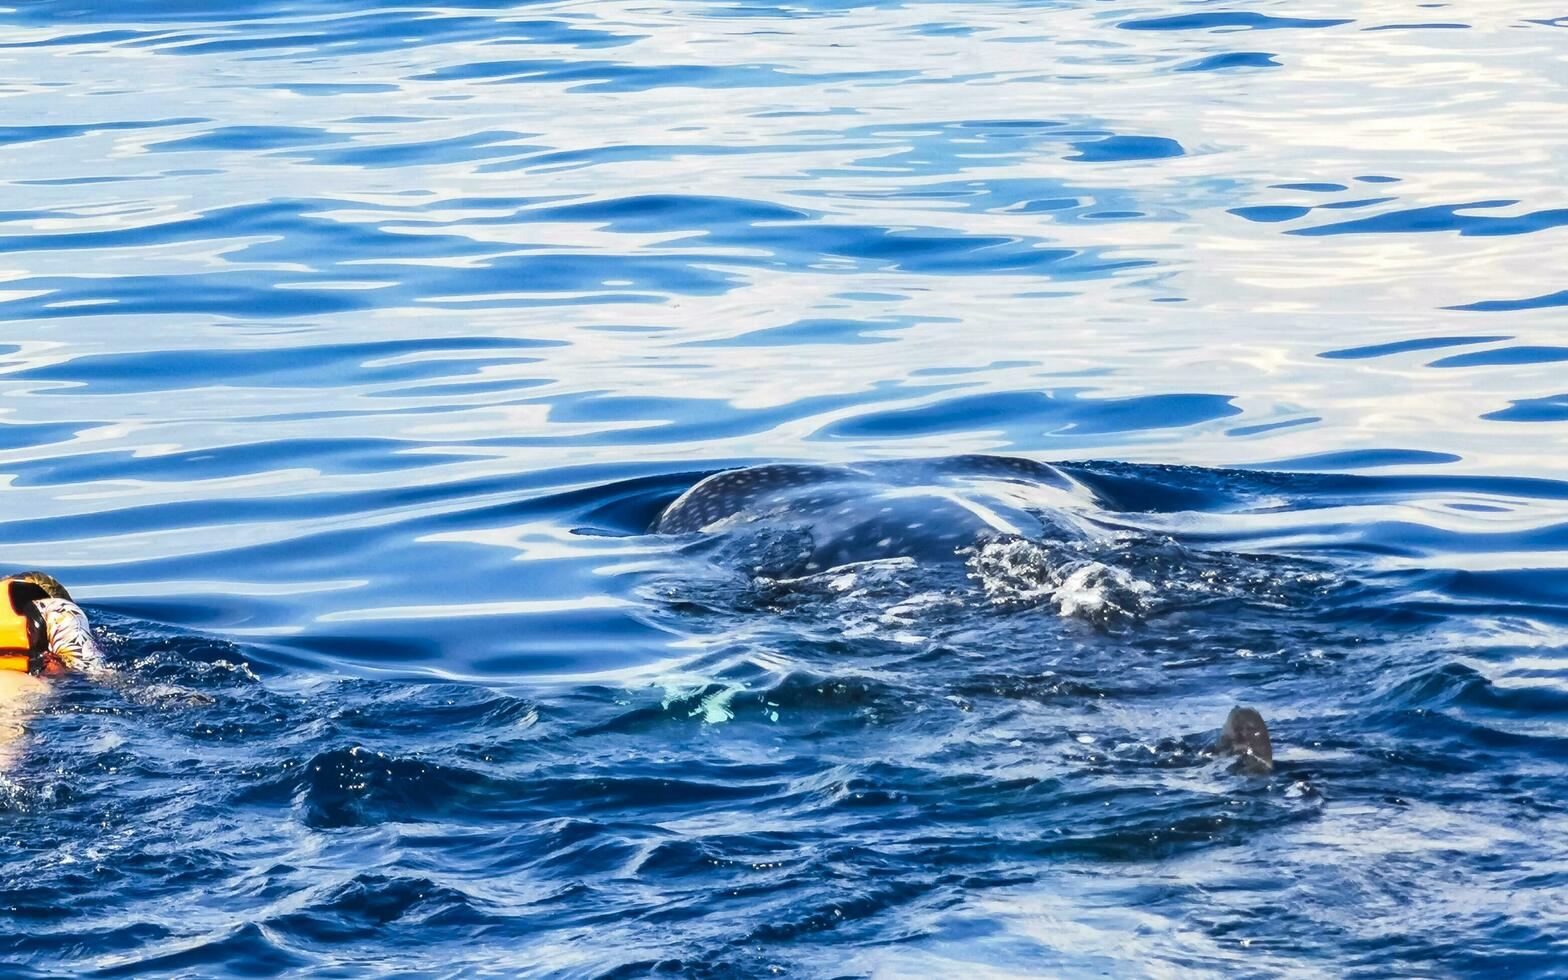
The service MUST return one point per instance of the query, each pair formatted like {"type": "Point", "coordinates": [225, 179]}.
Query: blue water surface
{"type": "Point", "coordinates": [351, 350]}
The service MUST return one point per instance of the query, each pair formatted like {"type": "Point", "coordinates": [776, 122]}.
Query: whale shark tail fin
{"type": "Point", "coordinates": [1247, 737]}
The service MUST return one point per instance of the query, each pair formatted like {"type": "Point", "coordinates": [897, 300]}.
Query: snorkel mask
{"type": "Point", "coordinates": [41, 630]}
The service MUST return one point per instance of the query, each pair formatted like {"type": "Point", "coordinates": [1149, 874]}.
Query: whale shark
{"type": "Point", "coordinates": [801, 519]}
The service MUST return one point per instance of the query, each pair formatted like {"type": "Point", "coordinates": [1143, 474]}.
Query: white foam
{"type": "Point", "coordinates": [1020, 572]}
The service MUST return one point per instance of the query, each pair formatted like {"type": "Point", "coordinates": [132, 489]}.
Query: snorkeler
{"type": "Point", "coordinates": [42, 631]}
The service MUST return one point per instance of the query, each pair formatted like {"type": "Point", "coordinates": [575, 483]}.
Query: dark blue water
{"type": "Point", "coordinates": [350, 351]}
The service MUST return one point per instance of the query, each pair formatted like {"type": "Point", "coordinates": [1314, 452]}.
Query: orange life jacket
{"type": "Point", "coordinates": [21, 634]}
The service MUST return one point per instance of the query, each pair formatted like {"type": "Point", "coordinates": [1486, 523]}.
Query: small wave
{"type": "Point", "coordinates": [358, 787]}
{"type": "Point", "coordinates": [369, 906]}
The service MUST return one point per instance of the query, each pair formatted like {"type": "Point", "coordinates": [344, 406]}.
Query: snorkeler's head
{"type": "Point", "coordinates": [25, 637]}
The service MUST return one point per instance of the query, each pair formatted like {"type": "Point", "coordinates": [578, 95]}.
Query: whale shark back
{"type": "Point", "coordinates": [725, 495]}
{"type": "Point", "coordinates": [837, 515]}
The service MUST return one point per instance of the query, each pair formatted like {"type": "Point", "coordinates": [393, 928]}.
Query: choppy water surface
{"type": "Point", "coordinates": [351, 350]}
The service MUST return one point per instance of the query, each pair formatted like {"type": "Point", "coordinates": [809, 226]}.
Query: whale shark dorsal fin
{"type": "Point", "coordinates": [1247, 737]}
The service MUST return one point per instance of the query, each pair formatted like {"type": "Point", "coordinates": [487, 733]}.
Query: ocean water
{"type": "Point", "coordinates": [352, 350]}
